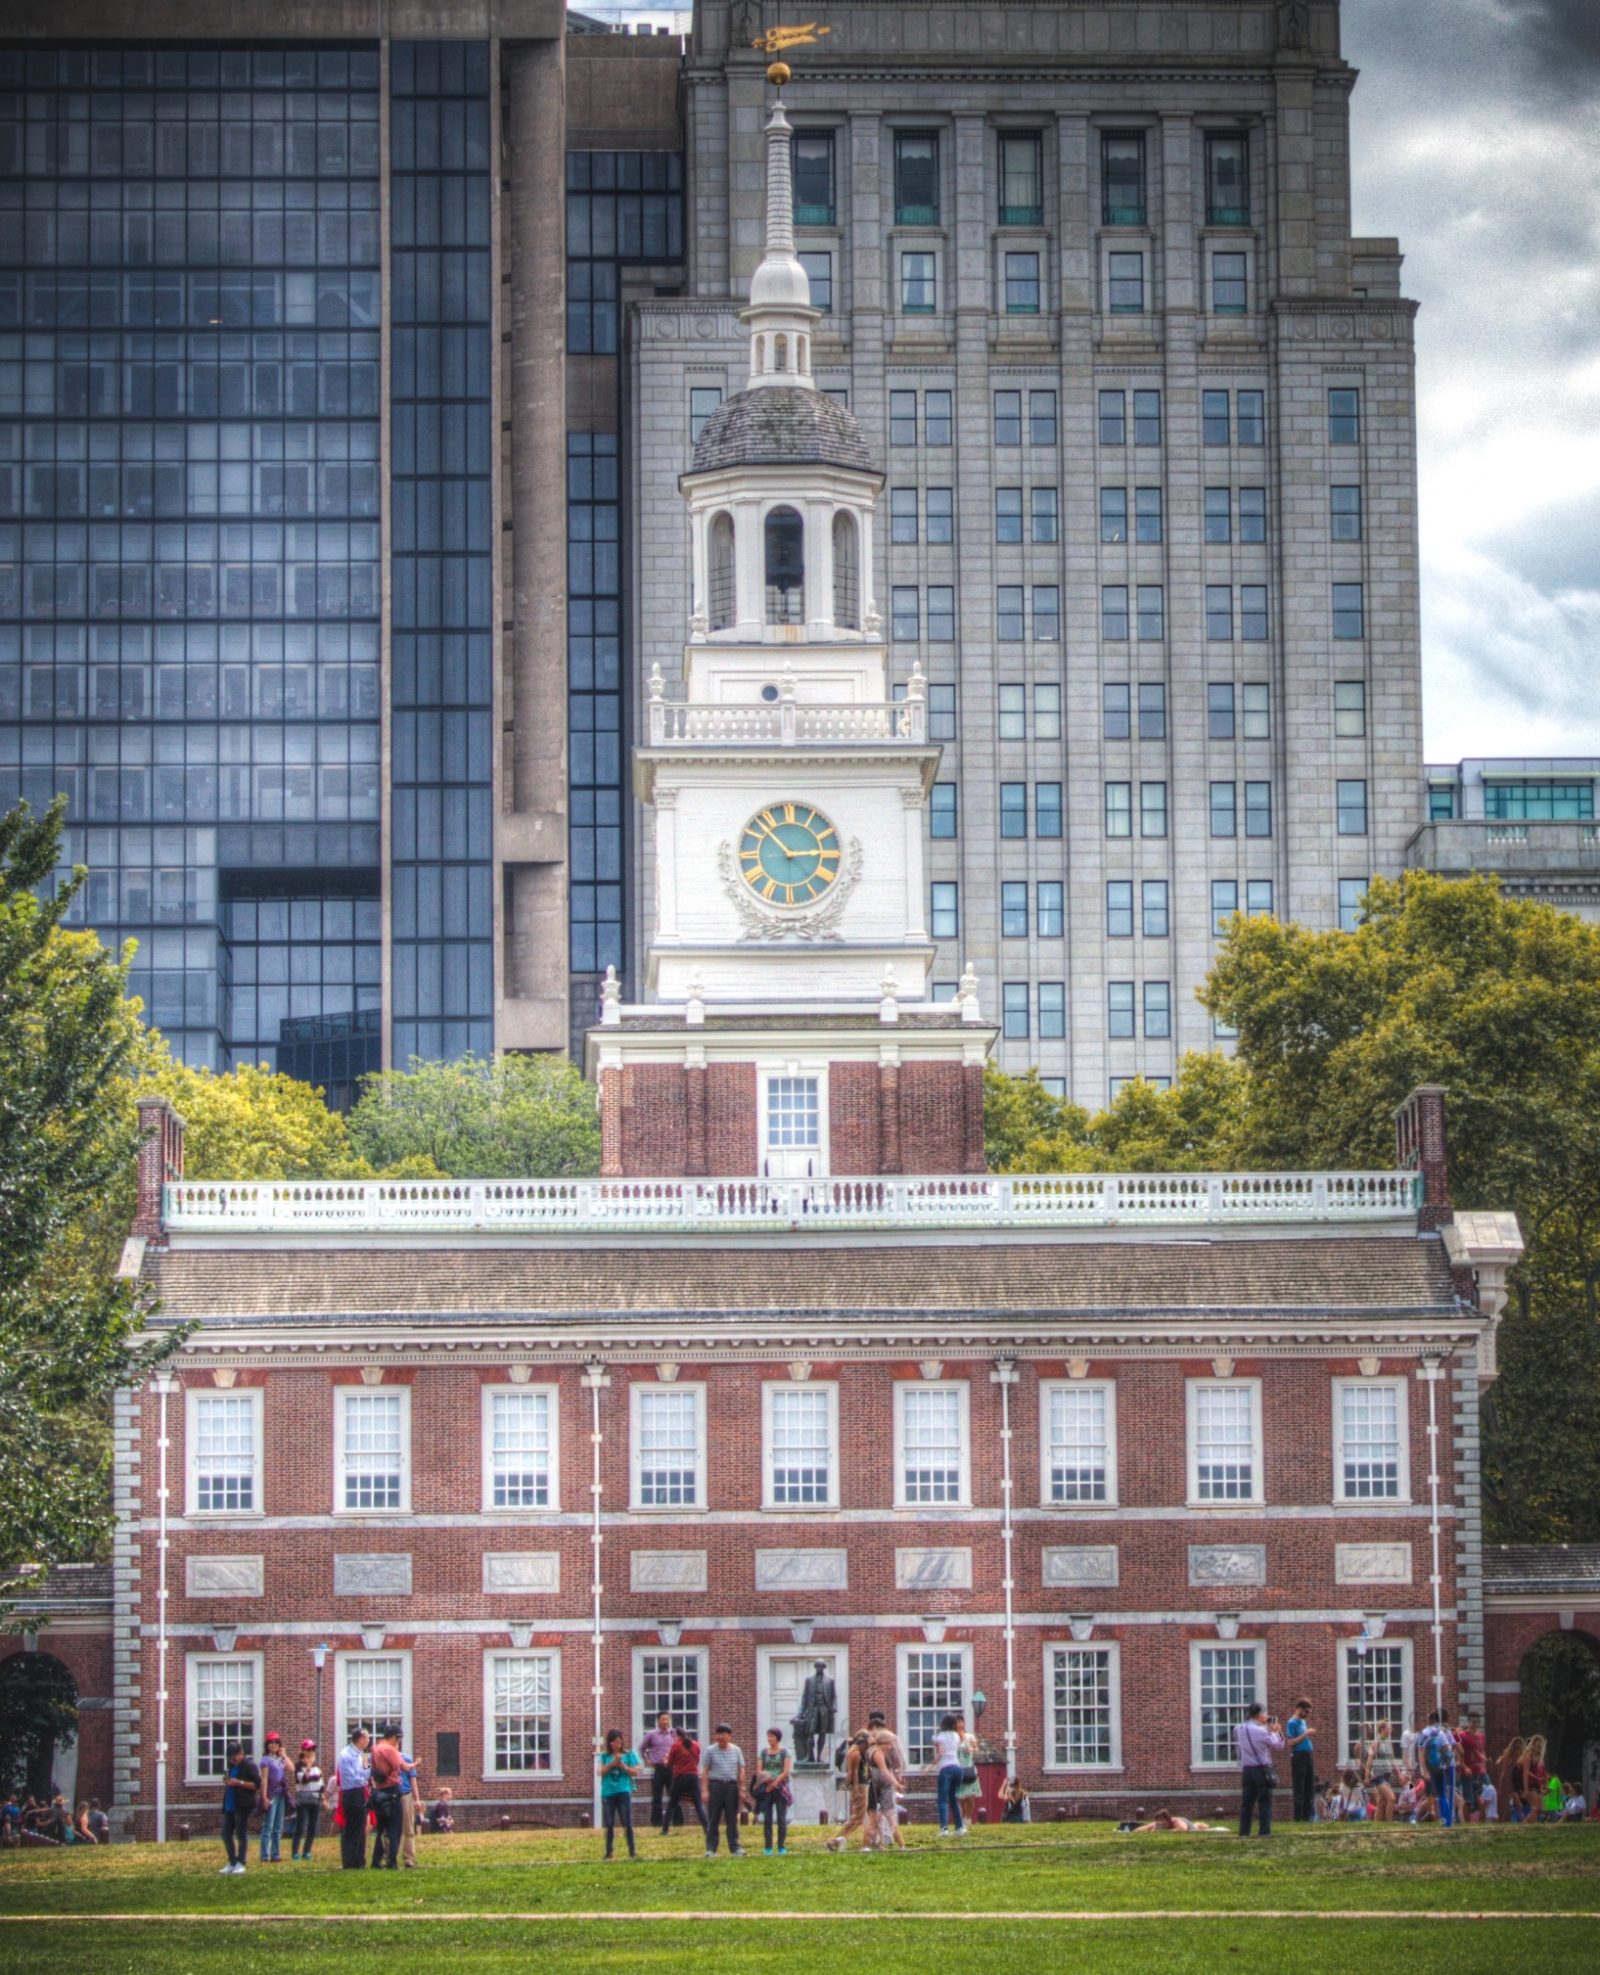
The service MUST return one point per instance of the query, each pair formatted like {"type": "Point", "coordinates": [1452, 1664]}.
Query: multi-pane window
{"type": "Point", "coordinates": [1441, 805]}
{"type": "Point", "coordinates": [1224, 800]}
{"type": "Point", "coordinates": [1257, 712]}
{"type": "Point", "coordinates": [521, 1448]}
{"type": "Point", "coordinates": [1258, 898]}
{"type": "Point", "coordinates": [939, 505]}
{"type": "Point", "coordinates": [1120, 1021]}
{"type": "Point", "coordinates": [1119, 809]}
{"type": "Point", "coordinates": [1224, 904]}
{"type": "Point", "coordinates": [902, 514]}
{"type": "Point", "coordinates": [1147, 514]}
{"type": "Point", "coordinates": [1046, 522]}
{"type": "Point", "coordinates": [936, 417]}
{"type": "Point", "coordinates": [1147, 418]}
{"type": "Point", "coordinates": [917, 283]}
{"type": "Point", "coordinates": [1252, 514]}
{"type": "Point", "coordinates": [1152, 809]}
{"type": "Point", "coordinates": [1229, 284]}
{"type": "Point", "coordinates": [1252, 612]}
{"type": "Point", "coordinates": [812, 173]}
{"type": "Point", "coordinates": [1041, 418]}
{"type": "Point", "coordinates": [941, 613]}
{"type": "Point", "coordinates": [793, 1113]}
{"type": "Point", "coordinates": [674, 1684]}
{"type": "Point", "coordinates": [1215, 421]}
{"type": "Point", "coordinates": [935, 1685]}
{"type": "Point", "coordinates": [941, 713]}
{"type": "Point", "coordinates": [905, 613]}
{"type": "Point", "coordinates": [1152, 711]}
{"type": "Point", "coordinates": [1352, 808]}
{"type": "Point", "coordinates": [1219, 612]}
{"type": "Point", "coordinates": [1351, 893]}
{"type": "Point", "coordinates": [1047, 809]}
{"type": "Point", "coordinates": [1008, 418]}
{"type": "Point", "coordinates": [1115, 714]}
{"type": "Point", "coordinates": [522, 1713]}
{"type": "Point", "coordinates": [916, 178]}
{"type": "Point", "coordinates": [1119, 909]}
{"type": "Point", "coordinates": [1218, 514]}
{"type": "Point", "coordinates": [1013, 713]}
{"type": "Point", "coordinates": [224, 1709]}
{"type": "Point", "coordinates": [1226, 1683]}
{"type": "Point", "coordinates": [1224, 1442]}
{"type": "Point", "coordinates": [1082, 1727]}
{"type": "Point", "coordinates": [942, 810]}
{"type": "Point", "coordinates": [1158, 1009]}
{"type": "Point", "coordinates": [1014, 909]}
{"type": "Point", "coordinates": [1258, 809]}
{"type": "Point", "coordinates": [1052, 1010]}
{"type": "Point", "coordinates": [372, 1452]}
{"type": "Point", "coordinates": [944, 910]}
{"type": "Point", "coordinates": [1008, 514]}
{"type": "Point", "coordinates": [1113, 418]}
{"type": "Point", "coordinates": [1152, 611]}
{"type": "Point", "coordinates": [902, 418]}
{"type": "Point", "coordinates": [1377, 1688]}
{"type": "Point", "coordinates": [373, 1686]}
{"type": "Point", "coordinates": [1344, 418]}
{"type": "Point", "coordinates": [800, 1446]}
{"type": "Point", "coordinates": [1227, 180]}
{"type": "Point", "coordinates": [1008, 616]}
{"type": "Point", "coordinates": [1014, 1010]}
{"type": "Point", "coordinates": [1013, 809]}
{"type": "Point", "coordinates": [1114, 612]}
{"type": "Point", "coordinates": [1125, 283]}
{"type": "Point", "coordinates": [226, 1453]}
{"type": "Point", "coordinates": [1350, 710]}
{"type": "Point", "coordinates": [932, 1454]}
{"type": "Point", "coordinates": [818, 266]}
{"type": "Point", "coordinates": [1156, 917]}
{"type": "Point", "coordinates": [1047, 712]}
{"type": "Point", "coordinates": [703, 401]}
{"type": "Point", "coordinates": [1539, 801]}
{"type": "Point", "coordinates": [1051, 911]}
{"type": "Point", "coordinates": [1344, 514]}
{"type": "Point", "coordinates": [1022, 283]}
{"type": "Point", "coordinates": [1113, 514]}
{"type": "Point", "coordinates": [1047, 613]}
{"type": "Point", "coordinates": [1219, 711]}
{"type": "Point", "coordinates": [1078, 1450]}
{"type": "Point", "coordinates": [1370, 1441]}
{"type": "Point", "coordinates": [1348, 610]}
{"type": "Point", "coordinates": [1021, 179]}
{"type": "Point", "coordinates": [1252, 418]}
{"type": "Point", "coordinates": [1122, 179]}
{"type": "Point", "coordinates": [667, 1438]}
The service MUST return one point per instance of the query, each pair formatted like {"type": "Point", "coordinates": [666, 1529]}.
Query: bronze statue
{"type": "Point", "coordinates": [813, 1724]}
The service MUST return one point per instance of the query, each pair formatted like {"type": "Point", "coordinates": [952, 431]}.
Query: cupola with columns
{"type": "Point", "coordinates": [788, 1027]}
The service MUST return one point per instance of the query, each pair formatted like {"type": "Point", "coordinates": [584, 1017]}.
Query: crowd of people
{"type": "Point", "coordinates": [375, 1787]}
{"type": "Point", "coordinates": [52, 1821]}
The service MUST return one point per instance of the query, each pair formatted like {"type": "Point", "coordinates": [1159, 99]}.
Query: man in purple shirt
{"type": "Point", "coordinates": [654, 1749]}
{"type": "Point", "coordinates": [1257, 1738]}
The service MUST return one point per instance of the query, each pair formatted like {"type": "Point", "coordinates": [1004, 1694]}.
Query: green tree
{"type": "Point", "coordinates": [69, 1329]}
{"type": "Point", "coordinates": [38, 1713]}
{"type": "Point", "coordinates": [523, 1117]}
{"type": "Point", "coordinates": [256, 1123]}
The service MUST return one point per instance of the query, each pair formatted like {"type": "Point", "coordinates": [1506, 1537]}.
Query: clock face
{"type": "Point", "coordinates": [789, 854]}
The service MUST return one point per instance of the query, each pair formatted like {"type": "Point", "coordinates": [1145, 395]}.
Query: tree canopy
{"type": "Point", "coordinates": [523, 1117]}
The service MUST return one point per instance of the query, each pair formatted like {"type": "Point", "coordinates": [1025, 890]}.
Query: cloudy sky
{"type": "Point", "coordinates": [1476, 139]}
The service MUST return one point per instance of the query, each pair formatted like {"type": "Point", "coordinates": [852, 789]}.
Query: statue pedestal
{"type": "Point", "coordinates": [812, 1787]}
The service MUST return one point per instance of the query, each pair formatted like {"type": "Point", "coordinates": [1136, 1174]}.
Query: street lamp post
{"type": "Point", "coordinates": [319, 1659]}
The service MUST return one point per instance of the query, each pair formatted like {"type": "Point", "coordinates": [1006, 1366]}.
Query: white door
{"type": "Point", "coordinates": [783, 1678]}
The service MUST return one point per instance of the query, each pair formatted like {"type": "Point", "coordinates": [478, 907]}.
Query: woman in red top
{"type": "Point", "coordinates": [683, 1759]}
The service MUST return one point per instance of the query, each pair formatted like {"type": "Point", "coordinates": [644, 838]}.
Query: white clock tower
{"type": "Point", "coordinates": [788, 1011]}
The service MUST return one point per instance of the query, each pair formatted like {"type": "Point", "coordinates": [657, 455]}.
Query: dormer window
{"type": "Point", "coordinates": [786, 570]}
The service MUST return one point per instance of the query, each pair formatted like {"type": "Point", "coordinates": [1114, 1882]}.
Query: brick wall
{"type": "Point", "coordinates": [84, 1649]}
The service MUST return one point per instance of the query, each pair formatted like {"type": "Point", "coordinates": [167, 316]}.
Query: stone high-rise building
{"type": "Point", "coordinates": [1146, 415]}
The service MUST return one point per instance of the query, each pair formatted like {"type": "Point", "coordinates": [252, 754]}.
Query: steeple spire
{"type": "Point", "coordinates": [780, 318]}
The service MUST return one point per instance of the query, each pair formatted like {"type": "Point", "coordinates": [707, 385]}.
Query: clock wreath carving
{"type": "Point", "coordinates": [820, 921]}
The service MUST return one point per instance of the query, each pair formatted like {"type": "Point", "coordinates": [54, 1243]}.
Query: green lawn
{"type": "Point", "coordinates": [502, 1901]}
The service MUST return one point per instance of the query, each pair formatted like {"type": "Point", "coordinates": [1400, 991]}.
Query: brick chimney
{"type": "Point", "coordinates": [1419, 1143]}
{"type": "Point", "coordinates": [160, 1160]}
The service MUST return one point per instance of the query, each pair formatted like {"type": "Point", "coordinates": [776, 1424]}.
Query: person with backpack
{"type": "Point", "coordinates": [857, 1761]}
{"type": "Point", "coordinates": [1437, 1748]}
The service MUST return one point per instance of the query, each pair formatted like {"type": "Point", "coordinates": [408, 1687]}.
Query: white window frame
{"type": "Point", "coordinates": [191, 1720]}
{"type": "Point", "coordinates": [1047, 1391]}
{"type": "Point", "coordinates": [829, 1391]}
{"type": "Point", "coordinates": [340, 1394]}
{"type": "Point", "coordinates": [701, 1655]}
{"type": "Point", "coordinates": [1403, 1442]}
{"type": "Point", "coordinates": [818, 1073]}
{"type": "Point", "coordinates": [902, 1676]}
{"type": "Point", "coordinates": [1196, 1648]}
{"type": "Point", "coordinates": [490, 1661]}
{"type": "Point", "coordinates": [1347, 1652]}
{"type": "Point", "coordinates": [962, 1387]}
{"type": "Point", "coordinates": [341, 1671]}
{"type": "Point", "coordinates": [636, 1390]}
{"type": "Point", "coordinates": [1257, 1493]}
{"type": "Point", "coordinates": [193, 1399]}
{"type": "Point", "coordinates": [1114, 1688]}
{"type": "Point", "coordinates": [551, 1394]}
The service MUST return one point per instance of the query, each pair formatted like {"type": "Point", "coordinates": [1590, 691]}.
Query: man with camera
{"type": "Point", "coordinates": [1257, 1738]}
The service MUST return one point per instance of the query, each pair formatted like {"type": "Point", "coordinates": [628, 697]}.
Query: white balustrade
{"type": "Point", "coordinates": [724, 1205]}
{"type": "Point", "coordinates": [787, 723]}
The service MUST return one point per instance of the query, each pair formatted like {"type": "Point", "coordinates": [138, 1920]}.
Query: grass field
{"type": "Point", "coordinates": [1018, 1899]}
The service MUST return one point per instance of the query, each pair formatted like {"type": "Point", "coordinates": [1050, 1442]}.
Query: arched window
{"type": "Point", "coordinates": [761, 355]}
{"type": "Point", "coordinates": [786, 567]}
{"type": "Point", "coordinates": [781, 345]}
{"type": "Point", "coordinates": [719, 584]}
{"type": "Point", "coordinates": [846, 573]}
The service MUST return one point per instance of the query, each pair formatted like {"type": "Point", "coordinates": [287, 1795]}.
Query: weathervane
{"type": "Point", "coordinates": [777, 40]}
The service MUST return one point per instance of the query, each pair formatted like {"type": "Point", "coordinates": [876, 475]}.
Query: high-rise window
{"type": "Point", "coordinates": [1116, 720]}
{"type": "Point", "coordinates": [1154, 909]}
{"type": "Point", "coordinates": [1230, 286]}
{"type": "Point", "coordinates": [1119, 909]}
{"type": "Point", "coordinates": [1258, 898]}
{"type": "Point", "coordinates": [1157, 1010]}
{"type": "Point", "coordinates": [1014, 909]}
{"type": "Point", "coordinates": [1252, 418]}
{"type": "Point", "coordinates": [1119, 809]}
{"type": "Point", "coordinates": [1125, 283]}
{"type": "Point", "coordinates": [1349, 708]}
{"type": "Point", "coordinates": [1227, 180]}
{"type": "Point", "coordinates": [917, 283]}
{"type": "Point", "coordinates": [916, 178]}
{"type": "Point", "coordinates": [902, 418]}
{"type": "Point", "coordinates": [1224, 904]}
{"type": "Point", "coordinates": [1012, 705]}
{"type": "Point", "coordinates": [1052, 1011]}
{"type": "Point", "coordinates": [1022, 283]}
{"type": "Point", "coordinates": [1352, 808]}
{"type": "Point", "coordinates": [1219, 711]}
{"type": "Point", "coordinates": [1113, 514]}
{"type": "Point", "coordinates": [1114, 612]}
{"type": "Point", "coordinates": [1219, 514]}
{"type": "Point", "coordinates": [1050, 910]}
{"type": "Point", "coordinates": [1113, 418]}
{"type": "Point", "coordinates": [1009, 613]}
{"type": "Point", "coordinates": [818, 266]}
{"type": "Point", "coordinates": [1348, 611]}
{"type": "Point", "coordinates": [1258, 809]}
{"type": "Point", "coordinates": [942, 810]}
{"type": "Point", "coordinates": [1047, 809]}
{"type": "Point", "coordinates": [1008, 514]}
{"type": "Point", "coordinates": [1147, 514]}
{"type": "Point", "coordinates": [1351, 893]}
{"type": "Point", "coordinates": [937, 417]}
{"type": "Point", "coordinates": [1041, 418]}
{"type": "Point", "coordinates": [812, 174]}
{"type": "Point", "coordinates": [941, 613]}
{"type": "Point", "coordinates": [1252, 514]}
{"type": "Point", "coordinates": [1147, 418]}
{"type": "Point", "coordinates": [1152, 809]}
{"type": "Point", "coordinates": [1119, 1010]}
{"type": "Point", "coordinates": [1344, 514]}
{"type": "Point", "coordinates": [940, 509]}
{"type": "Point", "coordinates": [1047, 613]}
{"type": "Point", "coordinates": [1013, 809]}
{"type": "Point", "coordinates": [941, 713]}
{"type": "Point", "coordinates": [1014, 1010]}
{"type": "Point", "coordinates": [1152, 711]}
{"type": "Point", "coordinates": [944, 910]}
{"type": "Point", "coordinates": [1219, 612]}
{"type": "Point", "coordinates": [1215, 418]}
{"type": "Point", "coordinates": [1257, 698]}
{"type": "Point", "coordinates": [1122, 179]}
{"type": "Point", "coordinates": [704, 399]}
{"type": "Point", "coordinates": [905, 613]}
{"type": "Point", "coordinates": [1021, 179]}
{"type": "Point", "coordinates": [1223, 819]}
{"type": "Point", "coordinates": [1045, 523]}
{"type": "Point", "coordinates": [902, 514]}
{"type": "Point", "coordinates": [1008, 418]}
{"type": "Point", "coordinates": [1344, 417]}
{"type": "Point", "coordinates": [1252, 612]}
{"type": "Point", "coordinates": [1152, 611]}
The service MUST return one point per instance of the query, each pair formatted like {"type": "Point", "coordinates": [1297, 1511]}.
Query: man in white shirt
{"type": "Point", "coordinates": [351, 1774]}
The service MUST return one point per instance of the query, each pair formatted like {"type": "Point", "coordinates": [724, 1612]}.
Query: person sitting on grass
{"type": "Point", "coordinates": [1350, 1800]}
{"type": "Point", "coordinates": [1014, 1805]}
{"type": "Point", "coordinates": [444, 1812]}
{"type": "Point", "coordinates": [1574, 1806]}
{"type": "Point", "coordinates": [10, 1822]}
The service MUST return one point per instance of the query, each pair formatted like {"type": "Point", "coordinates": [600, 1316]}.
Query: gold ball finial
{"type": "Point", "coordinates": [778, 74]}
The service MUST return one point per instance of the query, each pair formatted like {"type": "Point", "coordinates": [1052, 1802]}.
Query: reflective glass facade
{"type": "Point", "coordinates": [190, 505]}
